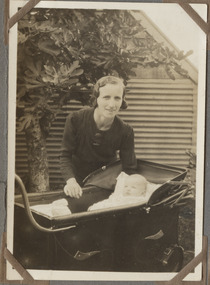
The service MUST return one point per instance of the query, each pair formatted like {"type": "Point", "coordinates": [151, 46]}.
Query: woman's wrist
{"type": "Point", "coordinates": [71, 180]}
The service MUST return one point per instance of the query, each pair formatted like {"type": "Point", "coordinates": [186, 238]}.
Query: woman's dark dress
{"type": "Point", "coordinates": [85, 148]}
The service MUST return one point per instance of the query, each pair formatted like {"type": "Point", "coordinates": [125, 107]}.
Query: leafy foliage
{"type": "Point", "coordinates": [61, 53]}
{"type": "Point", "coordinates": [191, 169]}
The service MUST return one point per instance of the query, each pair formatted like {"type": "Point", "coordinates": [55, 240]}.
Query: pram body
{"type": "Point", "coordinates": [134, 238]}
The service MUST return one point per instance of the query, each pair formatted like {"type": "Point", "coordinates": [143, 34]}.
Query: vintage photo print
{"type": "Point", "coordinates": [105, 141]}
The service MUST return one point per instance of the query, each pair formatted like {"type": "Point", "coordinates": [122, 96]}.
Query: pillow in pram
{"type": "Point", "coordinates": [117, 198]}
{"type": "Point", "coordinates": [57, 208]}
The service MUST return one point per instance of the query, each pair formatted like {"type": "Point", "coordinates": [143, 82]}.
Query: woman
{"type": "Point", "coordinates": [92, 136]}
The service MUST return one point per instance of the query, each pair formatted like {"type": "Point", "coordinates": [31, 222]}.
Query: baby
{"type": "Point", "coordinates": [129, 190]}
{"type": "Point", "coordinates": [135, 185]}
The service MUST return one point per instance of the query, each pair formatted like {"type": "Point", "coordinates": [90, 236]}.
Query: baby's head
{"type": "Point", "coordinates": [135, 185]}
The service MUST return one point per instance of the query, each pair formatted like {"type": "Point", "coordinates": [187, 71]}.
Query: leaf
{"type": "Point", "coordinates": [31, 66]}
{"type": "Point", "coordinates": [48, 47]}
{"type": "Point", "coordinates": [181, 71]}
{"type": "Point", "coordinates": [38, 67]}
{"type": "Point", "coordinates": [31, 80]}
{"type": "Point", "coordinates": [62, 74]}
{"type": "Point", "coordinates": [189, 53]}
{"type": "Point", "coordinates": [72, 81]}
{"type": "Point", "coordinates": [169, 72]}
{"type": "Point", "coordinates": [77, 72]}
{"type": "Point", "coordinates": [45, 26]}
{"type": "Point", "coordinates": [24, 122]}
{"type": "Point", "coordinates": [22, 38]}
{"type": "Point", "coordinates": [31, 86]}
{"type": "Point", "coordinates": [49, 69]}
{"type": "Point", "coordinates": [182, 56]}
{"type": "Point", "coordinates": [21, 93]}
{"type": "Point", "coordinates": [67, 36]}
{"type": "Point", "coordinates": [73, 51]}
{"type": "Point", "coordinates": [74, 66]}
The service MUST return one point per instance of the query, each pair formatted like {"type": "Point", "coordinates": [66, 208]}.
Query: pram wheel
{"type": "Point", "coordinates": [171, 259]}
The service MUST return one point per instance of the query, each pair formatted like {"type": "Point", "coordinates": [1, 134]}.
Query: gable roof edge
{"type": "Point", "coordinates": [160, 37]}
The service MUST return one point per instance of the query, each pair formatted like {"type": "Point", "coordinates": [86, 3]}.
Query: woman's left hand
{"type": "Point", "coordinates": [72, 188]}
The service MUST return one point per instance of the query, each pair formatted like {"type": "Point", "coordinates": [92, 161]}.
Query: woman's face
{"type": "Point", "coordinates": [110, 100]}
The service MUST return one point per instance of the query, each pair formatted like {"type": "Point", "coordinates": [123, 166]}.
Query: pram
{"type": "Point", "coordinates": [133, 238]}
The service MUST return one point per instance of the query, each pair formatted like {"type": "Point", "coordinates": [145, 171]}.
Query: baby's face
{"type": "Point", "coordinates": [134, 187]}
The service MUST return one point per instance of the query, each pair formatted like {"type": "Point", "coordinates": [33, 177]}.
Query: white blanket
{"type": "Point", "coordinates": [117, 198]}
{"type": "Point", "coordinates": [56, 209]}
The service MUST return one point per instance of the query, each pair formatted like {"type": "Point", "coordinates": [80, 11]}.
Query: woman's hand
{"type": "Point", "coordinates": [72, 188]}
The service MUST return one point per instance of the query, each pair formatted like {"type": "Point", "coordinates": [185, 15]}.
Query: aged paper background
{"type": "Point", "coordinates": [3, 113]}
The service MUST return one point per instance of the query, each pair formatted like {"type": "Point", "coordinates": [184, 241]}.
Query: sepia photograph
{"type": "Point", "coordinates": [106, 141]}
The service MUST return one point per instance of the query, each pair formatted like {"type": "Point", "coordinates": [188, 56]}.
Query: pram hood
{"type": "Point", "coordinates": [156, 173]}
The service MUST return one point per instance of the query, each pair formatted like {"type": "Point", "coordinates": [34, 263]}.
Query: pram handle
{"type": "Point", "coordinates": [29, 213]}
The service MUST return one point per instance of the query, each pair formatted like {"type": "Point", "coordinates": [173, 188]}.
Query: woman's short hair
{"type": "Point", "coordinates": [104, 81]}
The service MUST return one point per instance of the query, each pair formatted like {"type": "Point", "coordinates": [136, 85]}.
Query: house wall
{"type": "Point", "coordinates": [162, 113]}
{"type": "Point", "coordinates": [159, 72]}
